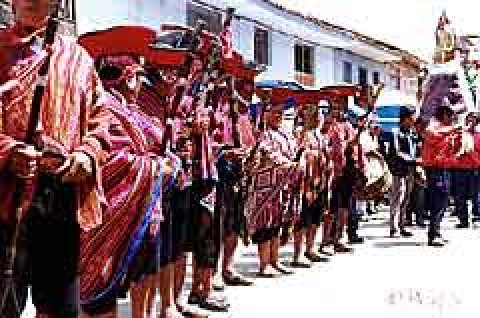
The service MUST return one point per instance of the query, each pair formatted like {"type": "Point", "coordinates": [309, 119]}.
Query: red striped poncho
{"type": "Point", "coordinates": [266, 205]}
{"type": "Point", "coordinates": [318, 160]}
{"type": "Point", "coordinates": [129, 177]}
{"type": "Point", "coordinates": [72, 114]}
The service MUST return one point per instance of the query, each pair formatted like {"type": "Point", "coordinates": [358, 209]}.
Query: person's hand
{"type": "Point", "coordinates": [77, 168]}
{"type": "Point", "coordinates": [24, 161]}
{"type": "Point", "coordinates": [419, 161]}
{"type": "Point", "coordinates": [181, 179]}
{"type": "Point", "coordinates": [291, 164]}
{"type": "Point", "coordinates": [309, 197]}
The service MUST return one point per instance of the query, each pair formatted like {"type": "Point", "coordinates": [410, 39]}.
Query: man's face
{"type": "Point", "coordinates": [327, 123]}
{"type": "Point", "coordinates": [337, 109]}
{"type": "Point", "coordinates": [362, 123]}
{"type": "Point", "coordinates": [376, 130]}
{"type": "Point", "coordinates": [275, 119]}
{"type": "Point", "coordinates": [409, 121]}
{"type": "Point", "coordinates": [32, 13]}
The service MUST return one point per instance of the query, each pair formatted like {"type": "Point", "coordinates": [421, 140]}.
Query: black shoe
{"type": "Point", "coordinates": [441, 238]}
{"type": "Point", "coordinates": [436, 242]}
{"type": "Point", "coordinates": [462, 226]}
{"type": "Point", "coordinates": [356, 240]}
{"type": "Point", "coordinates": [421, 225]}
{"type": "Point", "coordinates": [393, 233]}
{"type": "Point", "coordinates": [315, 258]}
{"type": "Point", "coordinates": [404, 233]}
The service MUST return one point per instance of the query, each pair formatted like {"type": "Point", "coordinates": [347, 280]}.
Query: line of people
{"type": "Point", "coordinates": [136, 190]}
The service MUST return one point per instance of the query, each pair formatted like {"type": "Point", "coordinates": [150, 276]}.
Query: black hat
{"type": "Point", "coordinates": [406, 111]}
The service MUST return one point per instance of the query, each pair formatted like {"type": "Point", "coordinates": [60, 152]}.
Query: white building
{"type": "Point", "coordinates": [294, 47]}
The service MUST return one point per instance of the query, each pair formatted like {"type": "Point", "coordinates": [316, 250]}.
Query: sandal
{"type": "Point", "coordinates": [322, 250]}
{"type": "Point", "coordinates": [193, 299]}
{"type": "Point", "coordinates": [267, 272]}
{"type": "Point", "coordinates": [282, 269]}
{"type": "Point", "coordinates": [191, 314]}
{"type": "Point", "coordinates": [232, 279]}
{"type": "Point", "coordinates": [299, 264]}
{"type": "Point", "coordinates": [213, 304]}
{"type": "Point", "coordinates": [340, 248]}
{"type": "Point", "coordinates": [172, 312]}
{"type": "Point", "coordinates": [218, 284]}
{"type": "Point", "coordinates": [316, 258]}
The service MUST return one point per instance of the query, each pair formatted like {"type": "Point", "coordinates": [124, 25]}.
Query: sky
{"type": "Point", "coordinates": [408, 24]}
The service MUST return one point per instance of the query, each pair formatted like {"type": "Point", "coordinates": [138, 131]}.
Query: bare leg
{"type": "Point", "coordinates": [342, 221]}
{"type": "Point", "coordinates": [274, 250]}
{"type": "Point", "coordinates": [310, 238]}
{"type": "Point", "coordinates": [166, 286]}
{"type": "Point", "coordinates": [326, 233]}
{"type": "Point", "coordinates": [139, 294]}
{"type": "Point", "coordinates": [297, 245]}
{"type": "Point", "coordinates": [217, 279]}
{"type": "Point", "coordinates": [197, 281]}
{"type": "Point", "coordinates": [231, 243]}
{"type": "Point", "coordinates": [179, 279]}
{"type": "Point", "coordinates": [265, 259]}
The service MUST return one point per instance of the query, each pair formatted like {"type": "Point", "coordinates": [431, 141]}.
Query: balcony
{"type": "Point", "coordinates": [68, 17]}
{"type": "Point", "coordinates": [305, 79]}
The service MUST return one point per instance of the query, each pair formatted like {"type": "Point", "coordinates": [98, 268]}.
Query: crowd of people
{"type": "Point", "coordinates": [99, 197]}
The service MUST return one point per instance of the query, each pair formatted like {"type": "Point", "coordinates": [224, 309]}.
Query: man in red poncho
{"type": "Point", "coordinates": [67, 197]}
{"type": "Point", "coordinates": [442, 141]}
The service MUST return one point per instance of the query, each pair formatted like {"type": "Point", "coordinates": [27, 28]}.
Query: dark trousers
{"type": "Point", "coordinates": [48, 252]}
{"type": "Point", "coordinates": [353, 221]}
{"type": "Point", "coordinates": [438, 185]}
{"type": "Point", "coordinates": [466, 183]}
{"type": "Point", "coordinates": [417, 205]}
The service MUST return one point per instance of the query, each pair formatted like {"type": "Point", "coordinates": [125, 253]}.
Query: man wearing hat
{"type": "Point", "coordinates": [314, 205]}
{"type": "Point", "coordinates": [135, 147]}
{"type": "Point", "coordinates": [465, 177]}
{"type": "Point", "coordinates": [277, 149]}
{"type": "Point", "coordinates": [72, 123]}
{"type": "Point", "coordinates": [403, 157]}
{"type": "Point", "coordinates": [341, 135]}
{"type": "Point", "coordinates": [441, 142]}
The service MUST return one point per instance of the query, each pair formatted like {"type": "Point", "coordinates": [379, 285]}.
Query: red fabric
{"type": "Point", "coordinates": [128, 178]}
{"type": "Point", "coordinates": [471, 160]}
{"type": "Point", "coordinates": [340, 134]}
{"type": "Point", "coordinates": [439, 147]}
{"type": "Point", "coordinates": [72, 113]}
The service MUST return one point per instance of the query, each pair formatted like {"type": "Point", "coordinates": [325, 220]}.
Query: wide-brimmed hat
{"type": "Point", "coordinates": [114, 70]}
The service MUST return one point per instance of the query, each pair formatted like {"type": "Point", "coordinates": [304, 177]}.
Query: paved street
{"type": "Point", "coordinates": [384, 278]}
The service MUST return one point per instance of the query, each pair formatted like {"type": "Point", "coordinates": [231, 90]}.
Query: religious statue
{"type": "Point", "coordinates": [445, 40]}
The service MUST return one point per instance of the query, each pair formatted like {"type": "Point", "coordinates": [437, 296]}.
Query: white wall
{"type": "Point", "coordinates": [243, 38]}
{"type": "Point", "coordinates": [97, 15]}
{"type": "Point", "coordinates": [283, 64]}
{"type": "Point", "coordinates": [357, 62]}
{"type": "Point", "coordinates": [324, 66]}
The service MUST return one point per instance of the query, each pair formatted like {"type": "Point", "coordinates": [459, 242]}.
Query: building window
{"type": "Point", "coordinates": [68, 17]}
{"type": "Point", "coordinates": [347, 72]}
{"type": "Point", "coordinates": [362, 76]}
{"type": "Point", "coordinates": [376, 78]}
{"type": "Point", "coordinates": [396, 79]}
{"type": "Point", "coordinates": [212, 19]}
{"type": "Point", "coordinates": [304, 62]}
{"type": "Point", "coordinates": [262, 46]}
